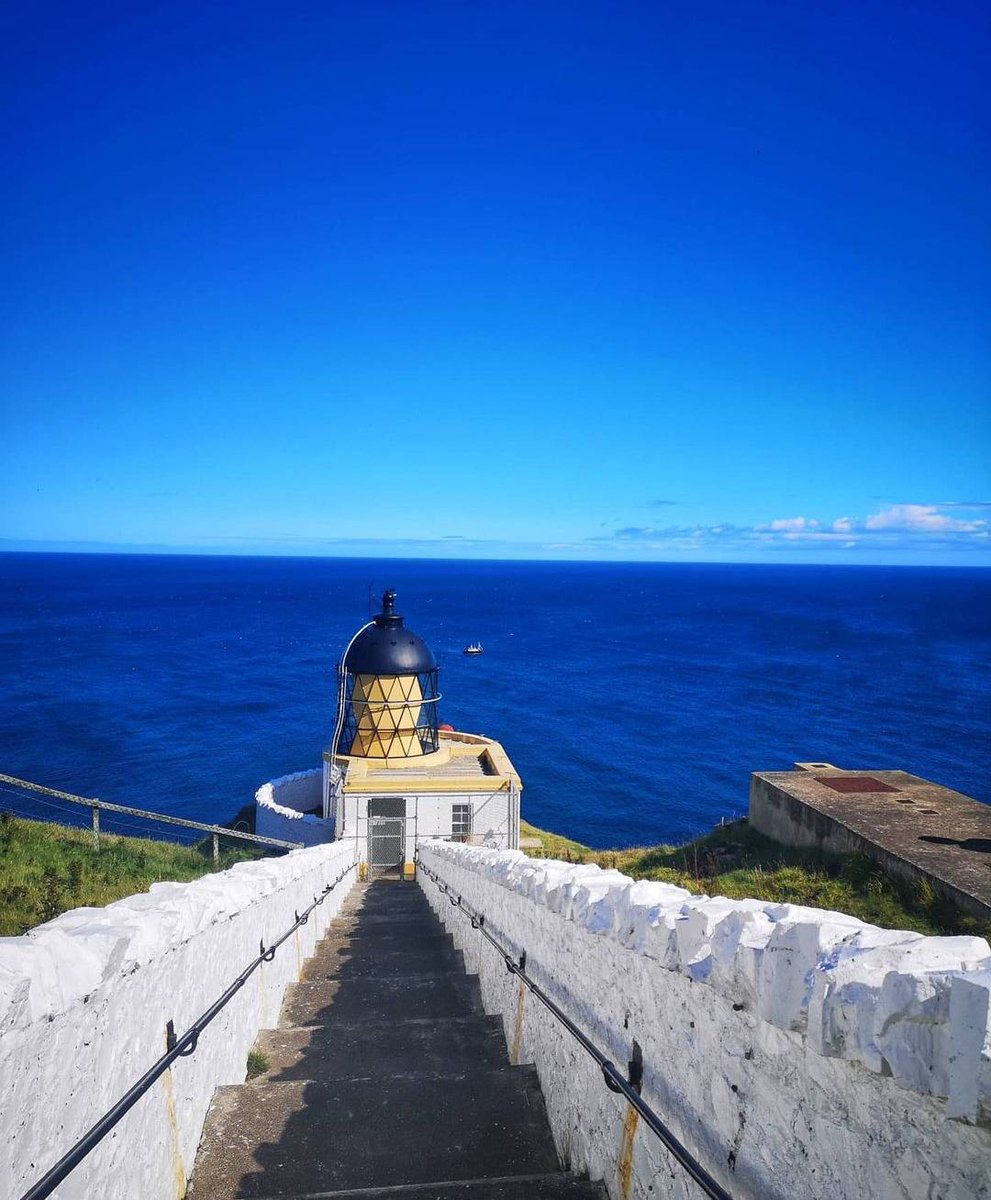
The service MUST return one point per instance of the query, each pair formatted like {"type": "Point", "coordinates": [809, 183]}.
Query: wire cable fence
{"type": "Point", "coordinates": [628, 1085]}
{"type": "Point", "coordinates": [68, 822]}
{"type": "Point", "coordinates": [178, 1046]}
{"type": "Point", "coordinates": [110, 818]}
{"type": "Point", "coordinates": [27, 808]}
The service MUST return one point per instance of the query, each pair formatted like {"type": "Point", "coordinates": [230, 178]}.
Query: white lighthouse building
{"type": "Point", "coordinates": [393, 773]}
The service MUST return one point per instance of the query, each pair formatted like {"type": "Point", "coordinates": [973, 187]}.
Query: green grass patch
{"type": "Point", "coordinates": [46, 869]}
{"type": "Point", "coordinates": [736, 861]}
{"type": "Point", "coordinates": [257, 1064]}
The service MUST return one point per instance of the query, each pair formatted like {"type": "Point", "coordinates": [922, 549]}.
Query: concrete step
{"type": "Point", "coordinates": [344, 1049]}
{"type": "Point", "coordinates": [299, 1138]}
{"type": "Point", "coordinates": [398, 908]}
{"type": "Point", "coordinates": [386, 898]}
{"type": "Point", "coordinates": [387, 935]}
{"type": "Point", "coordinates": [395, 999]}
{"type": "Point", "coordinates": [373, 922]}
{"type": "Point", "coordinates": [509, 1187]}
{"type": "Point", "coordinates": [366, 902]}
{"type": "Point", "coordinates": [378, 885]}
{"type": "Point", "coordinates": [385, 893]}
{"type": "Point", "coordinates": [348, 956]}
{"type": "Point", "coordinates": [376, 916]}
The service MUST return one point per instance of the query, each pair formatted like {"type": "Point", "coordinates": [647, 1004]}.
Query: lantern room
{"type": "Point", "coordinates": [387, 694]}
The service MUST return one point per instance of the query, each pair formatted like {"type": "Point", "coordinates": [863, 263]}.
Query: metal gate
{"type": "Point", "coordinates": [386, 832]}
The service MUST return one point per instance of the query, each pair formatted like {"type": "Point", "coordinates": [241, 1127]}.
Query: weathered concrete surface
{"type": "Point", "coordinates": [394, 998]}
{"type": "Point", "coordinates": [311, 1136]}
{"type": "Point", "coordinates": [510, 1187]}
{"type": "Point", "coordinates": [384, 1079]}
{"type": "Point", "coordinates": [342, 957]}
{"type": "Point", "coordinates": [424, 1046]}
{"type": "Point", "coordinates": [912, 827]}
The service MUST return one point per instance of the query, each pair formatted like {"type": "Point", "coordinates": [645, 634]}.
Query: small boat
{"type": "Point", "coordinates": [473, 648]}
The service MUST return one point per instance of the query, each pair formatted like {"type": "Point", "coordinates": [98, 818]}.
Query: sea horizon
{"type": "Point", "coordinates": [634, 702]}
{"type": "Point", "coordinates": [139, 551]}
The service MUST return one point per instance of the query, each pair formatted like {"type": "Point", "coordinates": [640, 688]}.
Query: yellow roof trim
{"type": "Point", "coordinates": [415, 775]}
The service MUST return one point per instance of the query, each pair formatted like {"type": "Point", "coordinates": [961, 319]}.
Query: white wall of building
{"type": "Point", "coordinates": [429, 815]}
{"type": "Point", "coordinates": [84, 1003]}
{"type": "Point", "coordinates": [797, 1053]}
{"type": "Point", "coordinates": [283, 809]}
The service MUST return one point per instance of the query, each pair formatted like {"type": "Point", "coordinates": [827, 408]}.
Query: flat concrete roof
{"type": "Point", "coordinates": [943, 833]}
{"type": "Point", "coordinates": [465, 762]}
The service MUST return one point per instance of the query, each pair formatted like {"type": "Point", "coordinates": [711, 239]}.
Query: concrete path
{"type": "Point", "coordinates": [385, 1079]}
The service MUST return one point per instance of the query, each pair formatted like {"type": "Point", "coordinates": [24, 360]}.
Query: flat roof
{"type": "Point", "coordinates": [465, 762]}
{"type": "Point", "coordinates": [943, 833]}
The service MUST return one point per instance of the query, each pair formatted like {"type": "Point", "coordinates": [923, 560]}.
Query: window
{"type": "Point", "coordinates": [387, 806]}
{"type": "Point", "coordinates": [460, 822]}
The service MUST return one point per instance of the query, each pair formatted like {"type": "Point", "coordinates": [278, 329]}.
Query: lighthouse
{"type": "Point", "coordinates": [393, 773]}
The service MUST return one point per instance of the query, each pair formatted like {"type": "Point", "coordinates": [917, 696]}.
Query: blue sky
{"type": "Point", "coordinates": [701, 281]}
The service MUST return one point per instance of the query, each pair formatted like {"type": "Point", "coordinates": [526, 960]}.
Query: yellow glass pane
{"type": "Point", "coordinates": [386, 710]}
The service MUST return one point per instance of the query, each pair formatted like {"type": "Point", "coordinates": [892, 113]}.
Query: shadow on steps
{"type": "Point", "coordinates": [385, 1072]}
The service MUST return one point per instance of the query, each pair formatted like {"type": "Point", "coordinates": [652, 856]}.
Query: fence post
{"type": "Point", "coordinates": [216, 847]}
{"type": "Point", "coordinates": [144, 815]}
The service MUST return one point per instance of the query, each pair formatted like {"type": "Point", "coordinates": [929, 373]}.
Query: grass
{"type": "Point", "coordinates": [46, 868]}
{"type": "Point", "coordinates": [736, 861]}
{"type": "Point", "coordinates": [257, 1064]}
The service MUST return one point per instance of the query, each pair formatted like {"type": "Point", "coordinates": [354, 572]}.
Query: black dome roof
{"type": "Point", "coordinates": [388, 648]}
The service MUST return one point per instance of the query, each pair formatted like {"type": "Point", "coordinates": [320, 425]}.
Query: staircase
{"type": "Point", "coordinates": [385, 1079]}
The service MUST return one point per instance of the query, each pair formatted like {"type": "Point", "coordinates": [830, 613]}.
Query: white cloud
{"type": "Point", "coordinates": [790, 524]}
{"type": "Point", "coordinates": [920, 518]}
{"type": "Point", "coordinates": [900, 528]}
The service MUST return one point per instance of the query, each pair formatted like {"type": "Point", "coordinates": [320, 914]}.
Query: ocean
{"type": "Point", "coordinates": [634, 699]}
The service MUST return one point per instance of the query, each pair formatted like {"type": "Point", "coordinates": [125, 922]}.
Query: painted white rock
{"type": "Point", "coordinates": [969, 1058]}
{"type": "Point", "coordinates": [911, 1022]}
{"type": "Point", "coordinates": [641, 907]}
{"type": "Point", "coordinates": [597, 901]}
{"type": "Point", "coordinates": [787, 966]}
{"type": "Point", "coordinates": [694, 932]}
{"type": "Point", "coordinates": [737, 943]}
{"type": "Point", "coordinates": [846, 984]}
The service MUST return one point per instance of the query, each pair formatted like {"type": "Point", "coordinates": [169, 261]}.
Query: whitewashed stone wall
{"type": "Point", "coordinates": [85, 999]}
{"type": "Point", "coordinates": [797, 1053]}
{"type": "Point", "coordinates": [281, 809]}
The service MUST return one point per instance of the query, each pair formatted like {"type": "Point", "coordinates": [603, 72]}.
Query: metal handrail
{"type": "Point", "coordinates": [413, 702]}
{"type": "Point", "coordinates": [96, 805]}
{"type": "Point", "coordinates": [177, 1047]}
{"type": "Point", "coordinates": [629, 1087]}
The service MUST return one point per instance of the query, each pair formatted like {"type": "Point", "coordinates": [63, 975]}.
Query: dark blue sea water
{"type": "Point", "coordinates": [634, 699]}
